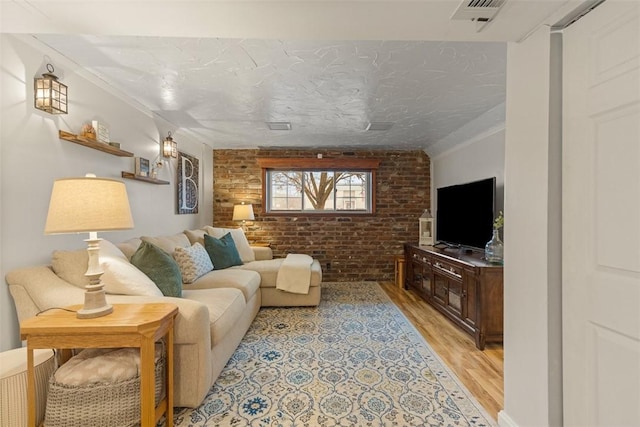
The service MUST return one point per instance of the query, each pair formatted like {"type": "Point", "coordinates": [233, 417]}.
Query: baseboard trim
{"type": "Point", "coordinates": [505, 420]}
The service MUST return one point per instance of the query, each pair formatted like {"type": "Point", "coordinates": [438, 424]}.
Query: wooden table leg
{"type": "Point", "coordinates": [147, 383]}
{"type": "Point", "coordinates": [169, 376]}
{"type": "Point", "coordinates": [31, 389]}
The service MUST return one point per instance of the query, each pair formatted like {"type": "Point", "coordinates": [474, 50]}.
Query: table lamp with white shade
{"type": "Point", "coordinates": [89, 204]}
{"type": "Point", "coordinates": [243, 213]}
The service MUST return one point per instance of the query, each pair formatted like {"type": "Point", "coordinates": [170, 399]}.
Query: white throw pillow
{"type": "Point", "coordinates": [239, 238]}
{"type": "Point", "coordinates": [193, 261]}
{"type": "Point", "coordinates": [120, 276]}
{"type": "Point", "coordinates": [123, 278]}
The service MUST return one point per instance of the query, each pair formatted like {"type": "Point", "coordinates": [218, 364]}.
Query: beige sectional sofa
{"type": "Point", "coordinates": [215, 310]}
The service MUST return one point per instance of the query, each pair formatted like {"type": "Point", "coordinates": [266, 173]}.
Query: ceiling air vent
{"type": "Point", "coordinates": [279, 125]}
{"type": "Point", "coordinates": [372, 126]}
{"type": "Point", "coordinates": [477, 10]}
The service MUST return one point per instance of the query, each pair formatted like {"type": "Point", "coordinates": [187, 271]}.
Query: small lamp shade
{"type": "Point", "coordinates": [243, 213]}
{"type": "Point", "coordinates": [88, 204]}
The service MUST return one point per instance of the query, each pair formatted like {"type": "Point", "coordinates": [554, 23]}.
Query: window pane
{"type": "Point", "coordinates": [318, 190]}
{"type": "Point", "coordinates": [351, 191]}
{"type": "Point", "coordinates": [286, 191]}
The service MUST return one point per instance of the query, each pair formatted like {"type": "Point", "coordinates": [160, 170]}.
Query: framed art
{"type": "Point", "coordinates": [188, 183]}
{"type": "Point", "coordinates": [101, 131]}
{"type": "Point", "coordinates": [142, 166]}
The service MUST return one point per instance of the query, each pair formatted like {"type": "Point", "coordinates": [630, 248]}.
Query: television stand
{"type": "Point", "coordinates": [463, 286]}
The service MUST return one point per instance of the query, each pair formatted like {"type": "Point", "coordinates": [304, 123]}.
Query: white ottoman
{"type": "Point", "coordinates": [13, 384]}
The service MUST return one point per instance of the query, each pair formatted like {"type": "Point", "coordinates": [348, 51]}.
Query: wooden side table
{"type": "Point", "coordinates": [130, 325]}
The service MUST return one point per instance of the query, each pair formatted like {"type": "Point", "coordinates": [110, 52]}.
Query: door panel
{"type": "Point", "coordinates": [601, 217]}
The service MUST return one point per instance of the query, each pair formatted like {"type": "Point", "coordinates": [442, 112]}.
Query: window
{"type": "Point", "coordinates": [318, 186]}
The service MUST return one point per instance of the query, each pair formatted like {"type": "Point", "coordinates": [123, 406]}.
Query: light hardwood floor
{"type": "Point", "coordinates": [480, 371]}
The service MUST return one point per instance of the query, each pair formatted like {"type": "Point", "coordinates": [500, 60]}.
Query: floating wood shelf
{"type": "Point", "coordinates": [93, 144]}
{"type": "Point", "coordinates": [150, 180]}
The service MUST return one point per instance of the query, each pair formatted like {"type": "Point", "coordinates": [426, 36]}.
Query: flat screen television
{"type": "Point", "coordinates": [464, 213]}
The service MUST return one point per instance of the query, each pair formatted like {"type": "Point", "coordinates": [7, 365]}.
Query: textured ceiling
{"type": "Point", "coordinates": [224, 90]}
{"type": "Point", "coordinates": [220, 69]}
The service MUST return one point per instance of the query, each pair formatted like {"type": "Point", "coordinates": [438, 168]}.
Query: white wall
{"type": "Point", "coordinates": [33, 156]}
{"type": "Point", "coordinates": [531, 321]}
{"type": "Point", "coordinates": [479, 158]}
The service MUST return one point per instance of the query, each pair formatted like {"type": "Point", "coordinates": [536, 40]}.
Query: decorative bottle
{"type": "Point", "coordinates": [494, 249]}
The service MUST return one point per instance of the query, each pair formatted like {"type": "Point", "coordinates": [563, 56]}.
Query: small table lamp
{"type": "Point", "coordinates": [89, 204]}
{"type": "Point", "coordinates": [243, 213]}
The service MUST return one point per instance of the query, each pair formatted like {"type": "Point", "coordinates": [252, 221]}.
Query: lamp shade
{"type": "Point", "coordinates": [243, 213]}
{"type": "Point", "coordinates": [88, 204]}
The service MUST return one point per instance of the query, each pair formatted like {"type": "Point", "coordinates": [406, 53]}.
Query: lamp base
{"type": "Point", "coordinates": [95, 301]}
{"type": "Point", "coordinates": [95, 305]}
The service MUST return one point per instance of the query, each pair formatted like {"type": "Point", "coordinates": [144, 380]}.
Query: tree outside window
{"type": "Point", "coordinates": [339, 186]}
{"type": "Point", "coordinates": [319, 190]}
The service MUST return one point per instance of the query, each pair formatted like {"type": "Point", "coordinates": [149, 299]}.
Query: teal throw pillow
{"type": "Point", "coordinates": [223, 251]}
{"type": "Point", "coordinates": [161, 268]}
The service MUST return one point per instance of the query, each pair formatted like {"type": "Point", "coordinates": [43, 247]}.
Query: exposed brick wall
{"type": "Point", "coordinates": [349, 248]}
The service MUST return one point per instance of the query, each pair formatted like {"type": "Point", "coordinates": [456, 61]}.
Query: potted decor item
{"type": "Point", "coordinates": [494, 249]}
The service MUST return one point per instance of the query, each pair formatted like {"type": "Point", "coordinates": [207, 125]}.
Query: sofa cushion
{"type": "Point", "coordinates": [160, 267]}
{"type": "Point", "coordinates": [120, 276]}
{"type": "Point", "coordinates": [193, 261]}
{"type": "Point", "coordinates": [195, 236]}
{"type": "Point", "coordinates": [101, 366]}
{"type": "Point", "coordinates": [226, 307]}
{"type": "Point", "coordinates": [268, 271]}
{"type": "Point", "coordinates": [245, 280]}
{"type": "Point", "coordinates": [71, 266]}
{"type": "Point", "coordinates": [222, 251]}
{"type": "Point", "coordinates": [129, 247]}
{"type": "Point", "coordinates": [242, 244]}
{"type": "Point", "coordinates": [169, 243]}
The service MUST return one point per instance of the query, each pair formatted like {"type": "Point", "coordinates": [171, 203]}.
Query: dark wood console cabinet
{"type": "Point", "coordinates": [462, 286]}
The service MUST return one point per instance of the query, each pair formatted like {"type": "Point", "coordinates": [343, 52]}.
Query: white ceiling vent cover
{"type": "Point", "coordinates": [477, 10]}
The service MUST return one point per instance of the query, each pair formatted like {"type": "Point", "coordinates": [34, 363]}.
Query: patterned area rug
{"type": "Point", "coordinates": [353, 361]}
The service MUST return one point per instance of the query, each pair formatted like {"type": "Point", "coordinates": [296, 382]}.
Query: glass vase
{"type": "Point", "coordinates": [494, 249]}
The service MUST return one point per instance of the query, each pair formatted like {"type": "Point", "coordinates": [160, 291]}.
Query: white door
{"type": "Point", "coordinates": [601, 217]}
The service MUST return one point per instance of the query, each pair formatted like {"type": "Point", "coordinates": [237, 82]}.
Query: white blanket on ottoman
{"type": "Point", "coordinates": [294, 274]}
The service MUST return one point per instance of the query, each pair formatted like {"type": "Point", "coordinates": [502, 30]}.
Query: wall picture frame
{"type": "Point", "coordinates": [142, 166]}
{"type": "Point", "coordinates": [101, 131]}
{"type": "Point", "coordinates": [188, 184]}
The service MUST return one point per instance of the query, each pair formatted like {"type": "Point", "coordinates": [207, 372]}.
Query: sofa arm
{"type": "Point", "coordinates": [35, 289]}
{"type": "Point", "coordinates": [263, 253]}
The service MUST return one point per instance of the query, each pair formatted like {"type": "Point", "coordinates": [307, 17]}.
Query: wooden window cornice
{"type": "Point", "coordinates": [289, 163]}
